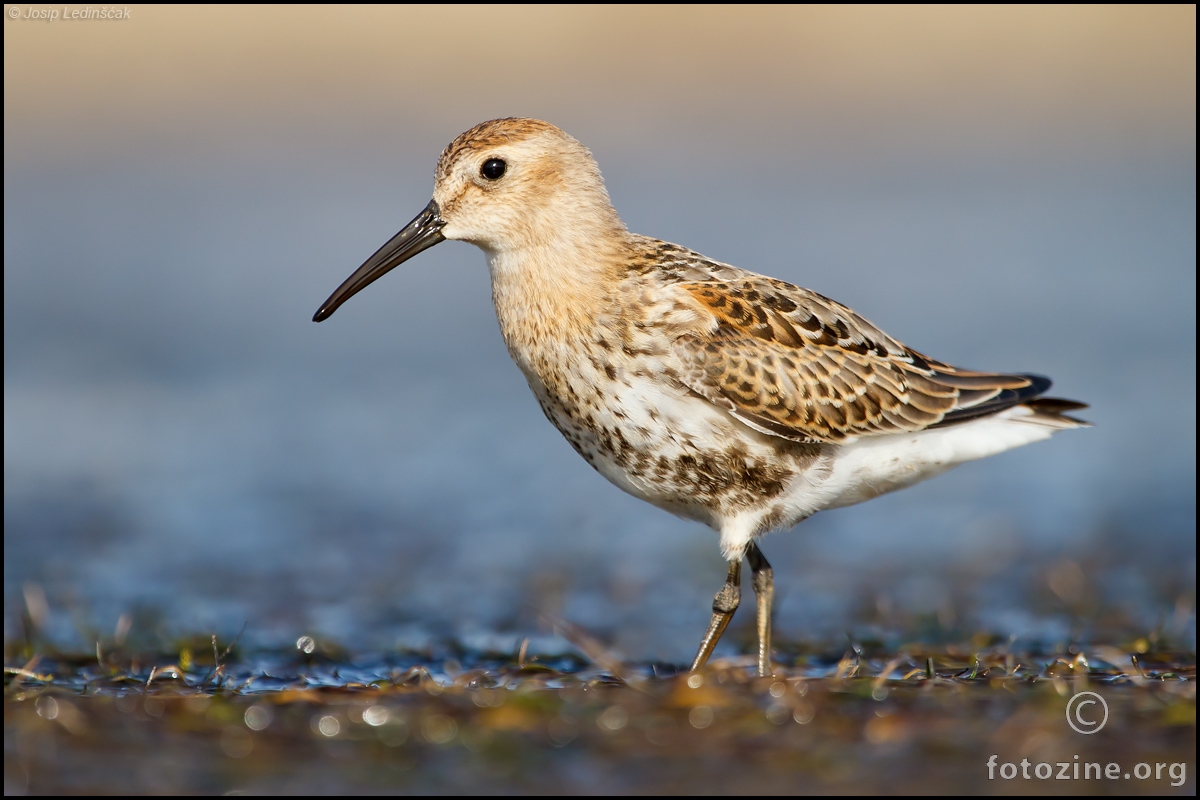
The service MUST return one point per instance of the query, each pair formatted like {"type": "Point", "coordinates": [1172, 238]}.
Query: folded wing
{"type": "Point", "coordinates": [792, 363]}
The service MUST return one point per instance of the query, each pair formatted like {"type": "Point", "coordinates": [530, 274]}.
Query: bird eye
{"type": "Point", "coordinates": [493, 169]}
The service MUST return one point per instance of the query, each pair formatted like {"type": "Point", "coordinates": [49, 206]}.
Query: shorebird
{"type": "Point", "coordinates": [718, 394]}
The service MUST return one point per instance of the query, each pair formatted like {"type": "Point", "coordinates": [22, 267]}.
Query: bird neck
{"type": "Point", "coordinates": [554, 292]}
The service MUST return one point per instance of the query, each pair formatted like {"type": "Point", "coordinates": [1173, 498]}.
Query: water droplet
{"type": "Point", "coordinates": [257, 717]}
{"type": "Point", "coordinates": [439, 729]}
{"type": "Point", "coordinates": [613, 718]}
{"type": "Point", "coordinates": [375, 716]}
{"type": "Point", "coordinates": [47, 707]}
{"type": "Point", "coordinates": [328, 725]}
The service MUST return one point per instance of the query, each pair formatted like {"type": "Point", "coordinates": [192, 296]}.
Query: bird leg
{"type": "Point", "coordinates": [724, 604]}
{"type": "Point", "coordinates": [764, 593]}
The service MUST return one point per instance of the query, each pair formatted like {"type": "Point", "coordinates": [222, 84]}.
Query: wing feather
{"type": "Point", "coordinates": [792, 363]}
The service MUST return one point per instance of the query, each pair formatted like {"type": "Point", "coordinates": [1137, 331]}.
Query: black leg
{"type": "Point", "coordinates": [764, 593]}
{"type": "Point", "coordinates": [724, 604]}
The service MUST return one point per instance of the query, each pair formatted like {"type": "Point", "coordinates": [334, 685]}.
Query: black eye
{"type": "Point", "coordinates": [493, 169]}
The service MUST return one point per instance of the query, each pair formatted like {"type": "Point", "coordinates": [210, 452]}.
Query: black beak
{"type": "Point", "coordinates": [422, 233]}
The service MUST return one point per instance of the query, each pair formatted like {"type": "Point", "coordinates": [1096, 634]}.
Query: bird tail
{"type": "Point", "coordinates": [1051, 411]}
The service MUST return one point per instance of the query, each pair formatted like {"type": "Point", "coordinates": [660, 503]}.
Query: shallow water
{"type": "Point", "coordinates": [863, 721]}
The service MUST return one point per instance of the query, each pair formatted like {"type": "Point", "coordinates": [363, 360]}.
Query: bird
{"type": "Point", "coordinates": [720, 395]}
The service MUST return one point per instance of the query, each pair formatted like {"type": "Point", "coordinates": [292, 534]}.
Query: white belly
{"type": "Point", "coordinates": [852, 473]}
{"type": "Point", "coordinates": [874, 466]}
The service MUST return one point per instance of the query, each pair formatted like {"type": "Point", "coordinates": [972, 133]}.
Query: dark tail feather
{"type": "Point", "coordinates": [1006, 398]}
{"type": "Point", "coordinates": [1054, 407]}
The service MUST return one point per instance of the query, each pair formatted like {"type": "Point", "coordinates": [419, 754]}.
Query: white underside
{"type": "Point", "coordinates": [852, 473]}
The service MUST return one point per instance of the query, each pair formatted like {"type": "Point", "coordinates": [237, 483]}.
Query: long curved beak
{"type": "Point", "coordinates": [422, 233]}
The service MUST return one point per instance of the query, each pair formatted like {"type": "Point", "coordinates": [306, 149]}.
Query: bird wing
{"type": "Point", "coordinates": [792, 363]}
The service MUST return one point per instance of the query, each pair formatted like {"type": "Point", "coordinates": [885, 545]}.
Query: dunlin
{"type": "Point", "coordinates": [718, 394]}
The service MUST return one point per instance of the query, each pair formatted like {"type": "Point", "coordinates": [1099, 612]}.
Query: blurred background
{"type": "Point", "coordinates": [1002, 188]}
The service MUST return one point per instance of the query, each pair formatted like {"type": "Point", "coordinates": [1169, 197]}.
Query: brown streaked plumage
{"type": "Point", "coordinates": [718, 394]}
{"type": "Point", "coordinates": [795, 364]}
